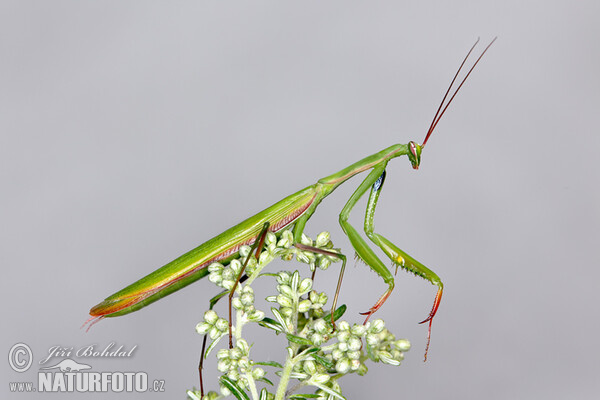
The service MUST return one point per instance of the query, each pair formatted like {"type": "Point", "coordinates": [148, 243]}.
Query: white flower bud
{"type": "Point", "coordinates": [304, 257]}
{"type": "Point", "coordinates": [222, 325]}
{"type": "Point", "coordinates": [286, 311]}
{"type": "Point", "coordinates": [243, 346]}
{"type": "Point", "coordinates": [402, 345]}
{"type": "Point", "coordinates": [223, 354]}
{"type": "Point", "coordinates": [398, 355]}
{"type": "Point", "coordinates": [203, 327]}
{"type": "Point", "coordinates": [286, 291]}
{"type": "Point", "coordinates": [320, 378]}
{"type": "Point", "coordinates": [286, 240]}
{"type": "Point", "coordinates": [387, 358]}
{"type": "Point", "coordinates": [214, 333]}
{"type": "Point", "coordinates": [322, 239]}
{"type": "Point", "coordinates": [342, 336]}
{"type": "Point", "coordinates": [317, 339]}
{"type": "Point", "coordinates": [283, 278]}
{"type": "Point", "coordinates": [313, 296]}
{"type": "Point", "coordinates": [372, 339]}
{"type": "Point", "coordinates": [265, 258]}
{"type": "Point", "coordinates": [321, 326]}
{"type": "Point", "coordinates": [284, 301]}
{"type": "Point", "coordinates": [256, 315]}
{"type": "Point", "coordinates": [305, 286]}
{"type": "Point", "coordinates": [344, 326]}
{"type": "Point", "coordinates": [233, 375]}
{"type": "Point", "coordinates": [244, 365]}
{"type": "Point", "coordinates": [227, 284]}
{"type": "Point", "coordinates": [324, 263]}
{"type": "Point", "coordinates": [215, 267]}
{"type": "Point", "coordinates": [342, 366]}
{"type": "Point", "coordinates": [228, 274]}
{"type": "Point", "coordinates": [223, 365]}
{"type": "Point", "coordinates": [305, 240]}
{"type": "Point", "coordinates": [270, 238]}
{"type": "Point", "coordinates": [211, 317]}
{"type": "Point", "coordinates": [236, 267]}
{"type": "Point", "coordinates": [243, 382]}
{"type": "Point", "coordinates": [354, 344]}
{"type": "Point", "coordinates": [247, 298]}
{"type": "Point", "coordinates": [322, 299]}
{"type": "Point", "coordinates": [358, 330]}
{"type": "Point", "coordinates": [237, 303]}
{"type": "Point", "coordinates": [215, 277]}
{"type": "Point", "coordinates": [235, 353]}
{"type": "Point", "coordinates": [377, 326]}
{"type": "Point", "coordinates": [337, 354]}
{"type": "Point", "coordinates": [244, 250]}
{"type": "Point", "coordinates": [224, 391]}
{"type": "Point", "coordinates": [310, 367]}
{"type": "Point", "coordinates": [258, 373]}
{"type": "Point", "coordinates": [304, 306]}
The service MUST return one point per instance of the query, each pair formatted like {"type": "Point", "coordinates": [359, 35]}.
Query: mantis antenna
{"type": "Point", "coordinates": [440, 111]}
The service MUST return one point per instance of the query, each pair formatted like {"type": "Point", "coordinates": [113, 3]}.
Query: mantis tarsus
{"type": "Point", "coordinates": [296, 210]}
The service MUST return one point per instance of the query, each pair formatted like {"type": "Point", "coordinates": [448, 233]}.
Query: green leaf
{"type": "Point", "coordinates": [265, 380]}
{"type": "Point", "coordinates": [324, 361]}
{"type": "Point", "coordinates": [269, 274]}
{"type": "Point", "coordinates": [337, 314]}
{"type": "Point", "coordinates": [302, 396]}
{"type": "Point", "coordinates": [213, 344]}
{"type": "Point", "coordinates": [328, 390]}
{"type": "Point", "coordinates": [271, 324]}
{"type": "Point", "coordinates": [311, 350]}
{"type": "Point", "coordinates": [298, 340]}
{"type": "Point", "coordinates": [193, 394]}
{"type": "Point", "coordinates": [233, 387]}
{"type": "Point", "coordinates": [263, 394]}
{"type": "Point", "coordinates": [280, 318]}
{"type": "Point", "coordinates": [371, 353]}
{"type": "Point", "coordinates": [269, 364]}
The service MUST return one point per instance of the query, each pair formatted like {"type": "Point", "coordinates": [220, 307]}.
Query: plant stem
{"type": "Point", "coordinates": [252, 385]}
{"type": "Point", "coordinates": [286, 373]}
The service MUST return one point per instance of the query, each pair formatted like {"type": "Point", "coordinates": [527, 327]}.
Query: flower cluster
{"type": "Point", "coordinates": [290, 290]}
{"type": "Point", "coordinates": [237, 366]}
{"type": "Point", "coordinates": [320, 349]}
{"type": "Point", "coordinates": [214, 326]}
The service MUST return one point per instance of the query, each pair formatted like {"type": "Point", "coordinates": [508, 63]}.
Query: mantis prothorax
{"type": "Point", "coordinates": [295, 210]}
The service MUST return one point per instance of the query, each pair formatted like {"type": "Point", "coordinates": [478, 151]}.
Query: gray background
{"type": "Point", "coordinates": [130, 133]}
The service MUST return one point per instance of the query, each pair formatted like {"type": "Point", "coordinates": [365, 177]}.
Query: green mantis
{"type": "Point", "coordinates": [295, 210]}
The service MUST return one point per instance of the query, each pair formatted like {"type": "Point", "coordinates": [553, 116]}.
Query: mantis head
{"type": "Point", "coordinates": [414, 154]}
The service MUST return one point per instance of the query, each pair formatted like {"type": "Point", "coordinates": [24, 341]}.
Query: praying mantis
{"type": "Point", "coordinates": [295, 211]}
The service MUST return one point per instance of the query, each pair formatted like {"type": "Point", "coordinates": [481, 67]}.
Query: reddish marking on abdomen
{"type": "Point", "coordinates": [234, 249]}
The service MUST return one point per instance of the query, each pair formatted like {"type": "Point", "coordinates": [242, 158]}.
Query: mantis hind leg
{"type": "Point", "coordinates": [399, 257]}
{"type": "Point", "coordinates": [256, 248]}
